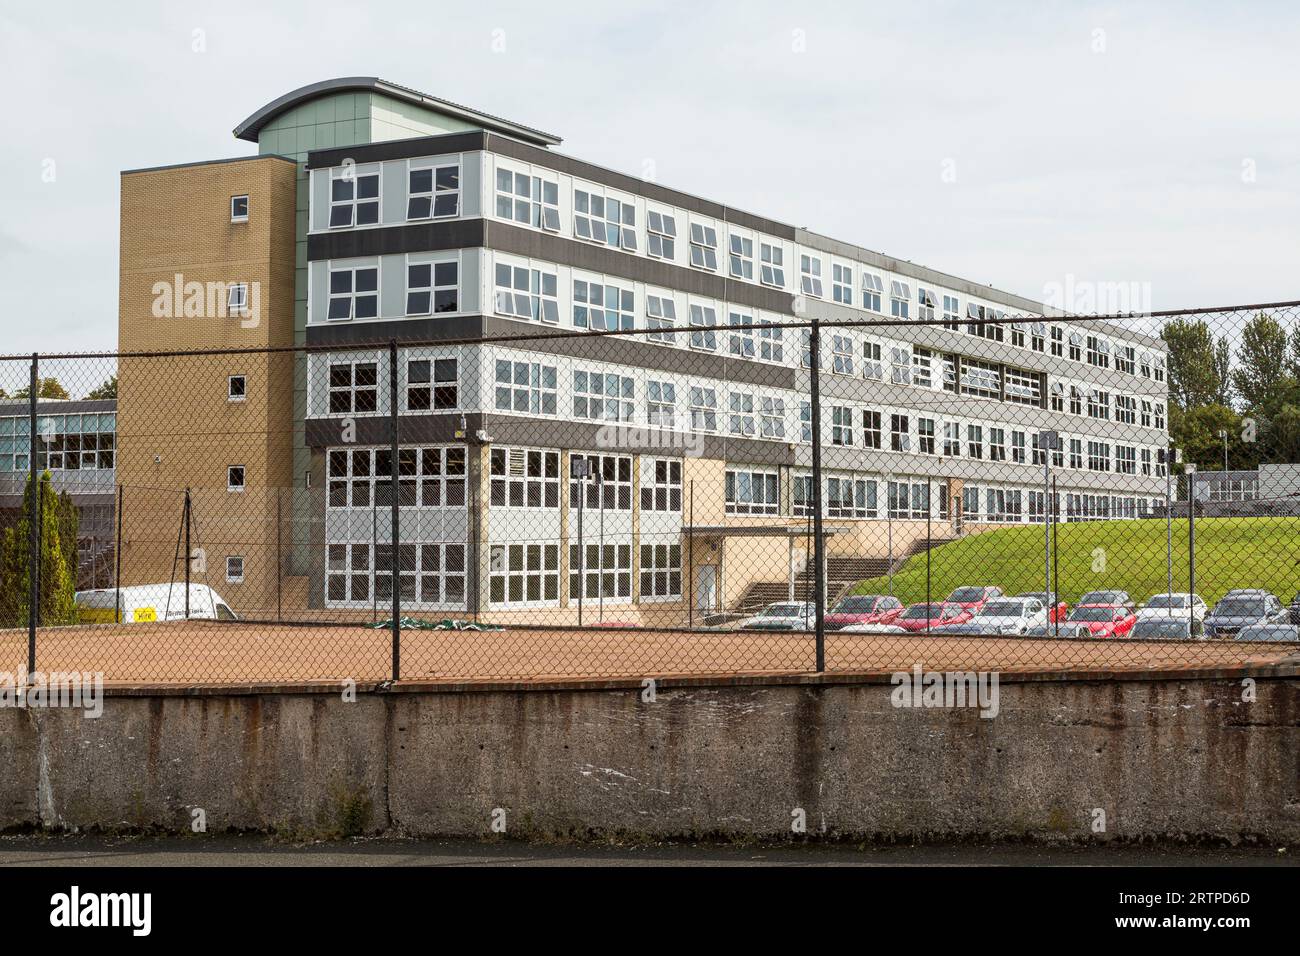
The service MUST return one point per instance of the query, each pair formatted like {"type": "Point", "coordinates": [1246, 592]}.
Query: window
{"type": "Point", "coordinates": [1057, 392]}
{"type": "Point", "coordinates": [1058, 341]}
{"type": "Point", "coordinates": [1018, 335]}
{"type": "Point", "coordinates": [354, 293]}
{"type": "Point", "coordinates": [601, 396]}
{"type": "Point", "coordinates": [433, 192]}
{"type": "Point", "coordinates": [529, 200]}
{"type": "Point", "coordinates": [524, 478]}
{"type": "Point", "coordinates": [528, 387]}
{"type": "Point", "coordinates": [1160, 414]}
{"type": "Point", "coordinates": [922, 373]}
{"type": "Point", "coordinates": [871, 437]}
{"type": "Point", "coordinates": [1126, 359]}
{"type": "Point", "coordinates": [1098, 352]}
{"type": "Point", "coordinates": [980, 378]}
{"type": "Point", "coordinates": [1038, 451]}
{"type": "Point", "coordinates": [1076, 400]}
{"type": "Point", "coordinates": [842, 354]}
{"type": "Point", "coordinates": [951, 313]}
{"type": "Point", "coordinates": [353, 387]}
{"type": "Point", "coordinates": [523, 573]}
{"type": "Point", "coordinates": [661, 570]}
{"type": "Point", "coordinates": [751, 492]}
{"type": "Point", "coordinates": [607, 568]}
{"type": "Point", "coordinates": [900, 299]}
{"type": "Point", "coordinates": [975, 441]}
{"type": "Point", "coordinates": [771, 341]}
{"type": "Point", "coordinates": [741, 421]}
{"type": "Point", "coordinates": [900, 365]}
{"type": "Point", "coordinates": [740, 341]}
{"type": "Point", "coordinates": [1160, 368]}
{"type": "Point", "coordinates": [997, 444]}
{"type": "Point", "coordinates": [1126, 459]}
{"type": "Point", "coordinates": [354, 198]}
{"type": "Point", "coordinates": [235, 569]}
{"type": "Point", "coordinates": [1125, 409]}
{"type": "Point", "coordinates": [431, 284]}
{"type": "Point", "coordinates": [608, 483]}
{"type": "Point", "coordinates": [239, 209]}
{"type": "Point", "coordinates": [772, 270]}
{"type": "Point", "coordinates": [704, 247]}
{"type": "Point", "coordinates": [849, 498]}
{"type": "Point", "coordinates": [1076, 347]}
{"type": "Point", "coordinates": [661, 485]}
{"type": "Point", "coordinates": [235, 478]}
{"type": "Point", "coordinates": [661, 234]}
{"type": "Point", "coordinates": [1145, 364]}
{"type": "Point", "coordinates": [805, 422]}
{"type": "Point", "coordinates": [908, 499]}
{"type": "Point", "coordinates": [872, 289]}
{"type": "Point", "coordinates": [661, 316]}
{"type": "Point", "coordinates": [237, 298]}
{"type": "Point", "coordinates": [872, 366]}
{"type": "Point", "coordinates": [771, 417]}
{"type": "Point", "coordinates": [842, 425]}
{"type": "Point", "coordinates": [1021, 387]}
{"type": "Point", "coordinates": [661, 404]}
{"type": "Point", "coordinates": [842, 284]}
{"type": "Point", "coordinates": [604, 220]}
{"type": "Point", "coordinates": [433, 477]}
{"type": "Point", "coordinates": [432, 384]}
{"type": "Point", "coordinates": [704, 409]}
{"type": "Point", "coordinates": [529, 294]}
{"type": "Point", "coordinates": [925, 435]}
{"type": "Point", "coordinates": [704, 317]}
{"type": "Point", "coordinates": [1098, 456]}
{"type": "Point", "coordinates": [1076, 453]}
{"type": "Point", "coordinates": [742, 258]}
{"type": "Point", "coordinates": [1098, 404]}
{"type": "Point", "coordinates": [237, 388]}
{"type": "Point", "coordinates": [1018, 447]}
{"type": "Point", "coordinates": [602, 307]}
{"type": "Point", "coordinates": [925, 304]}
{"type": "Point", "coordinates": [1038, 336]}
{"type": "Point", "coordinates": [1146, 413]}
{"type": "Point", "coordinates": [810, 276]}
{"type": "Point", "coordinates": [952, 439]}
{"type": "Point", "coordinates": [900, 438]}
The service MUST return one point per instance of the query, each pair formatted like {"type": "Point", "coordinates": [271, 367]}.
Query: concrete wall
{"type": "Point", "coordinates": [1169, 757]}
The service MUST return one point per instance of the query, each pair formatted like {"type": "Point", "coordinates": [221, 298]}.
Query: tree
{"type": "Point", "coordinates": [58, 556]}
{"type": "Point", "coordinates": [1261, 360]}
{"type": "Point", "coordinates": [107, 390]}
{"type": "Point", "coordinates": [1223, 371]}
{"type": "Point", "coordinates": [1196, 432]}
{"type": "Point", "coordinates": [49, 388]}
{"type": "Point", "coordinates": [1194, 374]}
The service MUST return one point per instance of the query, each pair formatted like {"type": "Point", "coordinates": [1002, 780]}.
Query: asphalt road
{"type": "Point", "coordinates": [38, 850]}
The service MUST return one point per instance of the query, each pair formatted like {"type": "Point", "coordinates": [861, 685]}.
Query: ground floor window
{"type": "Point", "coordinates": [429, 574]}
{"type": "Point", "coordinates": [607, 569]}
{"type": "Point", "coordinates": [661, 571]}
{"type": "Point", "coordinates": [523, 573]}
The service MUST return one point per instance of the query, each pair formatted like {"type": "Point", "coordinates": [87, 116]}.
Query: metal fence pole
{"type": "Point", "coordinates": [819, 545]}
{"type": "Point", "coordinates": [1191, 533]}
{"type": "Point", "coordinates": [393, 475]}
{"type": "Point", "coordinates": [279, 571]}
{"type": "Point", "coordinates": [1054, 592]}
{"type": "Point", "coordinates": [117, 563]}
{"type": "Point", "coordinates": [690, 560]}
{"type": "Point", "coordinates": [34, 517]}
{"type": "Point", "coordinates": [189, 554]}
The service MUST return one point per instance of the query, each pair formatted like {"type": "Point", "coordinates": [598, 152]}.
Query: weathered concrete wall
{"type": "Point", "coordinates": [1161, 758]}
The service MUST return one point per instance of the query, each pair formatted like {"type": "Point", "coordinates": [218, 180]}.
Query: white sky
{"type": "Point", "coordinates": [1122, 166]}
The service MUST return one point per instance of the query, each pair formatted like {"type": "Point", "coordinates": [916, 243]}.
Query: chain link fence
{"type": "Point", "coordinates": [706, 495]}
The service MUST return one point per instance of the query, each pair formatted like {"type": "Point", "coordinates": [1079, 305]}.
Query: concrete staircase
{"type": "Point", "coordinates": [841, 574]}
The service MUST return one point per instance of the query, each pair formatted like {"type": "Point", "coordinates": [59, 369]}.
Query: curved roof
{"type": "Point", "coordinates": [251, 127]}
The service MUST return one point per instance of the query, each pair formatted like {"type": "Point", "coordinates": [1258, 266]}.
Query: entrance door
{"type": "Point", "coordinates": [706, 588]}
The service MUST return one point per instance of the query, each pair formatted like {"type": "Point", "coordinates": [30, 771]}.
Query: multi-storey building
{"type": "Point", "coordinates": [441, 233]}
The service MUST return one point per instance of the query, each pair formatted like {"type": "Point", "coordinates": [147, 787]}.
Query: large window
{"type": "Point", "coordinates": [526, 387]}
{"type": "Point", "coordinates": [661, 234]}
{"type": "Point", "coordinates": [842, 425]}
{"type": "Point", "coordinates": [354, 198]}
{"type": "Point", "coordinates": [810, 275]}
{"type": "Point", "coordinates": [842, 283]}
{"type": "Point", "coordinates": [900, 438]}
{"type": "Point", "coordinates": [353, 387]}
{"type": "Point", "coordinates": [703, 335]}
{"type": "Point", "coordinates": [900, 298]}
{"type": "Point", "coordinates": [850, 498]}
{"type": "Point", "coordinates": [771, 417]}
{"type": "Point", "coordinates": [661, 317]}
{"type": "Point", "coordinates": [527, 293]}
{"type": "Point", "coordinates": [872, 290]}
{"type": "Point", "coordinates": [602, 307]}
{"type": "Point", "coordinates": [661, 485]}
{"type": "Point", "coordinates": [741, 258]}
{"type": "Point", "coordinates": [871, 437]}
{"type": "Point", "coordinates": [661, 404]}
{"type": "Point", "coordinates": [529, 200]}
{"type": "Point", "coordinates": [434, 192]}
{"type": "Point", "coordinates": [661, 570]}
{"type": "Point", "coordinates": [523, 573]}
{"type": "Point", "coordinates": [842, 354]}
{"type": "Point", "coordinates": [432, 384]}
{"type": "Point", "coordinates": [909, 499]}
{"type": "Point", "coordinates": [751, 492]}
{"type": "Point", "coordinates": [741, 421]}
{"type": "Point", "coordinates": [524, 478]}
{"type": "Point", "coordinates": [432, 477]}
{"type": "Point", "coordinates": [604, 220]}
{"type": "Point", "coordinates": [603, 396]}
{"type": "Point", "coordinates": [73, 443]}
{"type": "Point", "coordinates": [354, 293]}
{"type": "Point", "coordinates": [607, 568]}
{"type": "Point", "coordinates": [608, 483]}
{"type": "Point", "coordinates": [772, 270]}
{"type": "Point", "coordinates": [431, 285]}
{"type": "Point", "coordinates": [704, 247]}
{"type": "Point", "coordinates": [704, 409]}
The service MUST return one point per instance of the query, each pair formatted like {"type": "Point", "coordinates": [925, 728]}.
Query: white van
{"type": "Point", "coordinates": [151, 602]}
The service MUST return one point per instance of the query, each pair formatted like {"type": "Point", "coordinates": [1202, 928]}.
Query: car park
{"type": "Point", "coordinates": [973, 598]}
{"type": "Point", "coordinates": [863, 609]}
{"type": "Point", "coordinates": [1238, 609]}
{"type": "Point", "coordinates": [1056, 608]}
{"type": "Point", "coordinates": [1160, 628]}
{"type": "Point", "coordinates": [1003, 616]}
{"type": "Point", "coordinates": [1174, 604]}
{"type": "Point", "coordinates": [782, 616]}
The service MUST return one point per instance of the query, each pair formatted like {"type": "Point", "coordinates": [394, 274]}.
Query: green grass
{"type": "Point", "coordinates": [1116, 555]}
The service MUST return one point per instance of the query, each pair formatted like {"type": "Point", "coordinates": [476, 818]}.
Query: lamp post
{"type": "Point", "coordinates": [1223, 433]}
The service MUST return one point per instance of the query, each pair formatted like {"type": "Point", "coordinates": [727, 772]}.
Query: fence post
{"type": "Point", "coordinates": [1191, 534]}
{"type": "Point", "coordinates": [34, 518]}
{"type": "Point", "coordinates": [690, 559]}
{"type": "Point", "coordinates": [117, 563]}
{"type": "Point", "coordinates": [819, 571]}
{"type": "Point", "coordinates": [393, 475]}
{"type": "Point", "coordinates": [189, 554]}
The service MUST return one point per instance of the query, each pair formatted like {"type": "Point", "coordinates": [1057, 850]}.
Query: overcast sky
{"type": "Point", "coordinates": [1014, 144]}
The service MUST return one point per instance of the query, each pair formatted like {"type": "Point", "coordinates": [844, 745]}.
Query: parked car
{"type": "Point", "coordinates": [1107, 597]}
{"type": "Point", "coordinates": [1239, 609]}
{"type": "Point", "coordinates": [1269, 631]}
{"type": "Point", "coordinates": [863, 609]}
{"type": "Point", "coordinates": [1160, 628]}
{"type": "Point", "coordinates": [931, 617]}
{"type": "Point", "coordinates": [150, 602]}
{"type": "Point", "coordinates": [1003, 616]}
{"type": "Point", "coordinates": [1293, 609]}
{"type": "Point", "coordinates": [973, 598]}
{"type": "Point", "coordinates": [782, 616]}
{"type": "Point", "coordinates": [1056, 608]}
{"type": "Point", "coordinates": [1174, 604]}
{"type": "Point", "coordinates": [1098, 620]}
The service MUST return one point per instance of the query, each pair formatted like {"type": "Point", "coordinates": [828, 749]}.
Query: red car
{"type": "Point", "coordinates": [973, 598]}
{"type": "Point", "coordinates": [1056, 610]}
{"type": "Point", "coordinates": [1101, 620]}
{"type": "Point", "coordinates": [863, 609]}
{"type": "Point", "coordinates": [932, 617]}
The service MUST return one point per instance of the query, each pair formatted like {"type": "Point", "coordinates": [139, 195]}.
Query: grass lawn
{"type": "Point", "coordinates": [1120, 555]}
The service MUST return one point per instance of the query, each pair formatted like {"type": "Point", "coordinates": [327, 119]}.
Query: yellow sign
{"type": "Point", "coordinates": [145, 614]}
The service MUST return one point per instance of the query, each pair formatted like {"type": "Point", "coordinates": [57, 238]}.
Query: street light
{"type": "Point", "coordinates": [1223, 433]}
